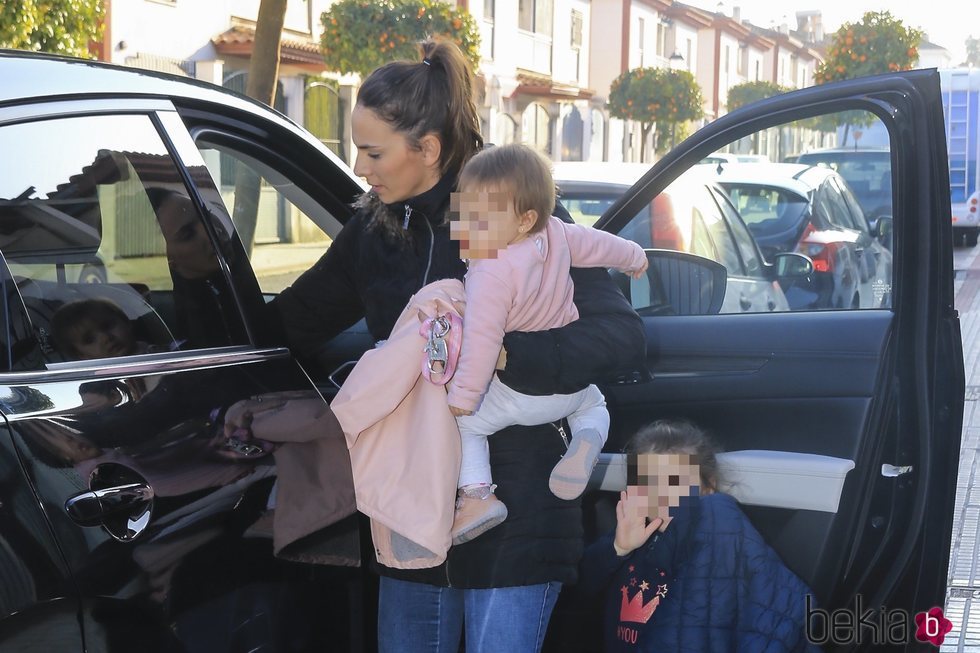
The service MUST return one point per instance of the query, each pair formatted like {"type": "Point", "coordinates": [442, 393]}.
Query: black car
{"type": "Point", "coordinates": [127, 523]}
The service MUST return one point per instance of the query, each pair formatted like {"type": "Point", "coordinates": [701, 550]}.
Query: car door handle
{"type": "Point", "coordinates": [93, 507]}
{"type": "Point", "coordinates": [744, 302]}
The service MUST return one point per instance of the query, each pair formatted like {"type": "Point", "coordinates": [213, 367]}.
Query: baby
{"type": "Point", "coordinates": [518, 280]}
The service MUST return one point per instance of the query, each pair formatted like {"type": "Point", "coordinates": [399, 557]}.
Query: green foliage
{"type": "Point", "coordinates": [880, 43]}
{"type": "Point", "coordinates": [56, 26]}
{"type": "Point", "coordinates": [650, 95]}
{"type": "Point", "coordinates": [749, 92]}
{"type": "Point", "coordinates": [360, 35]}
{"type": "Point", "coordinates": [972, 52]}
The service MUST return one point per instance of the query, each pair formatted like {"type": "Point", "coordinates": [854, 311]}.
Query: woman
{"type": "Point", "coordinates": [414, 126]}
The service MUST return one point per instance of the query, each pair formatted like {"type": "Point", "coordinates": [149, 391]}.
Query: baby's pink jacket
{"type": "Point", "coordinates": [527, 288]}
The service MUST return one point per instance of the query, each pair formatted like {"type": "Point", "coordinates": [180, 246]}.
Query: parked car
{"type": "Point", "coordinates": [866, 170]}
{"type": "Point", "coordinates": [693, 215]}
{"type": "Point", "coordinates": [123, 528]}
{"type": "Point", "coordinates": [810, 209]}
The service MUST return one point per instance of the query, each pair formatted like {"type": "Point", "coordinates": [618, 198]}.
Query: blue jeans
{"type": "Point", "coordinates": [420, 618]}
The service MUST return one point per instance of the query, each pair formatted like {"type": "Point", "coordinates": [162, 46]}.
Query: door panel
{"type": "Point", "coordinates": [873, 386]}
{"type": "Point", "coordinates": [38, 610]}
{"type": "Point", "coordinates": [188, 578]}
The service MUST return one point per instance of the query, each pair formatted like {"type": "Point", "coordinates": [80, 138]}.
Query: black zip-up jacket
{"type": "Point", "coordinates": [385, 254]}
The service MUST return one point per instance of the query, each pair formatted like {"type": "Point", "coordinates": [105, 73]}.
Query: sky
{"type": "Point", "coordinates": [946, 22]}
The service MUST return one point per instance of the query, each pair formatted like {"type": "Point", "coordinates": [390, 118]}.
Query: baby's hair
{"type": "Point", "coordinates": [518, 171]}
{"type": "Point", "coordinates": [66, 317]}
{"type": "Point", "coordinates": [679, 436]}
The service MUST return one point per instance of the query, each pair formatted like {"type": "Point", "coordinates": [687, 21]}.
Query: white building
{"type": "Point", "coordinates": [213, 41]}
{"type": "Point", "coordinates": [535, 76]}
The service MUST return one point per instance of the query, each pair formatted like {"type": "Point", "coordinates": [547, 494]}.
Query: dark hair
{"type": "Point", "coordinates": [69, 314]}
{"type": "Point", "coordinates": [518, 171]}
{"type": "Point", "coordinates": [679, 436]}
{"type": "Point", "coordinates": [434, 95]}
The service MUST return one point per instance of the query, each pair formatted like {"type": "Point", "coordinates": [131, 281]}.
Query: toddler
{"type": "Point", "coordinates": [685, 569]}
{"type": "Point", "coordinates": [518, 280]}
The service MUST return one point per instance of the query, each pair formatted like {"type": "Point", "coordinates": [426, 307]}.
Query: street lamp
{"type": "Point", "coordinates": [676, 61]}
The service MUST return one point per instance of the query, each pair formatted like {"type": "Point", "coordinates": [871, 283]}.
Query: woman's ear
{"type": "Point", "coordinates": [431, 148]}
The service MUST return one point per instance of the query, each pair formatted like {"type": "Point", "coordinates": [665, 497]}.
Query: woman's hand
{"type": "Point", "coordinates": [238, 417]}
{"type": "Point", "coordinates": [632, 531]}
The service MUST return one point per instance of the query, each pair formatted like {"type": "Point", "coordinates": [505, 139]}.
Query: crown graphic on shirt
{"type": "Point", "coordinates": [634, 610]}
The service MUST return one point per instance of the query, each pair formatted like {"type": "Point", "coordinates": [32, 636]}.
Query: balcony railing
{"type": "Point", "coordinates": [534, 52]}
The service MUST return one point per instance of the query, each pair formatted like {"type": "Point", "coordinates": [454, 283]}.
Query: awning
{"type": "Point", "coordinates": [239, 41]}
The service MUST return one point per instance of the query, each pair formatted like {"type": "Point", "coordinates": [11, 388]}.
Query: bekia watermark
{"type": "Point", "coordinates": [856, 624]}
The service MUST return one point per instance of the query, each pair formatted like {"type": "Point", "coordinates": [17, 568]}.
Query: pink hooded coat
{"type": "Point", "coordinates": [403, 440]}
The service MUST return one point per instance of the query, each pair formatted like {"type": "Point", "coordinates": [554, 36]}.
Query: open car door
{"type": "Point", "coordinates": [842, 426]}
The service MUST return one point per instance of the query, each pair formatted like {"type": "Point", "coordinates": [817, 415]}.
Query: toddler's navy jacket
{"type": "Point", "coordinates": [709, 583]}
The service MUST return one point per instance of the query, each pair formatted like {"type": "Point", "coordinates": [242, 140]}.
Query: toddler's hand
{"type": "Point", "coordinates": [459, 412]}
{"type": "Point", "coordinates": [640, 271]}
{"type": "Point", "coordinates": [631, 527]}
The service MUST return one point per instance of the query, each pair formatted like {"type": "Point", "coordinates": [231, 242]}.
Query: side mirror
{"type": "Point", "coordinates": [792, 266]}
{"type": "Point", "coordinates": [882, 228]}
{"type": "Point", "coordinates": [676, 283]}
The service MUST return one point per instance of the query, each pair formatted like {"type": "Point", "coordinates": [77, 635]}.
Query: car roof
{"type": "Point", "coordinates": [600, 172]}
{"type": "Point", "coordinates": [41, 77]}
{"type": "Point", "coordinates": [797, 177]}
{"type": "Point", "coordinates": [847, 150]}
{"type": "Point", "coordinates": [37, 76]}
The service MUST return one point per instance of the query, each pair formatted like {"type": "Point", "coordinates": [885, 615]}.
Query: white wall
{"type": "Point", "coordinates": [682, 35]}
{"type": "Point", "coordinates": [648, 47]}
{"type": "Point", "coordinates": [705, 71]}
{"type": "Point", "coordinates": [756, 59]}
{"type": "Point", "coordinates": [567, 67]}
{"type": "Point", "coordinates": [728, 65]}
{"type": "Point", "coordinates": [605, 58]}
{"type": "Point", "coordinates": [184, 29]}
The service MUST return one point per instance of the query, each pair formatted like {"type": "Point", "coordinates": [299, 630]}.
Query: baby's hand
{"type": "Point", "coordinates": [637, 273]}
{"type": "Point", "coordinates": [459, 412]}
{"type": "Point", "coordinates": [631, 527]}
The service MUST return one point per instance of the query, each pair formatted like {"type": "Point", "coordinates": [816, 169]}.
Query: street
{"type": "Point", "coordinates": [963, 594]}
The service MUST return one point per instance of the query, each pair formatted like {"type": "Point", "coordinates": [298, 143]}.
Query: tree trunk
{"type": "Point", "coordinates": [644, 133]}
{"type": "Point", "coordinates": [263, 73]}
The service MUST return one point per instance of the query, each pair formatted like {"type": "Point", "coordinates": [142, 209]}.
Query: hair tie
{"type": "Point", "coordinates": [427, 62]}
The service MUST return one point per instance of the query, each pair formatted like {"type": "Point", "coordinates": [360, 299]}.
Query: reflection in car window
{"type": "Point", "coordinates": [108, 251]}
{"type": "Point", "coordinates": [278, 217]}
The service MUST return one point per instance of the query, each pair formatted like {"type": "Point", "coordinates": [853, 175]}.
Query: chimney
{"type": "Point", "coordinates": [737, 14]}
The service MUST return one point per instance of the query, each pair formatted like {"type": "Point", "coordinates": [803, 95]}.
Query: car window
{"type": "Point", "coordinates": [284, 230]}
{"type": "Point", "coordinates": [785, 208]}
{"type": "Point", "coordinates": [586, 208]}
{"type": "Point", "coordinates": [857, 213]}
{"type": "Point", "coordinates": [743, 239]}
{"type": "Point", "coordinates": [109, 252]}
{"type": "Point", "coordinates": [837, 210]}
{"type": "Point", "coordinates": [705, 207]}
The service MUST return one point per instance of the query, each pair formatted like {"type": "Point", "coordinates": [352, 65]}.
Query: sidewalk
{"type": "Point", "coordinates": [963, 585]}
